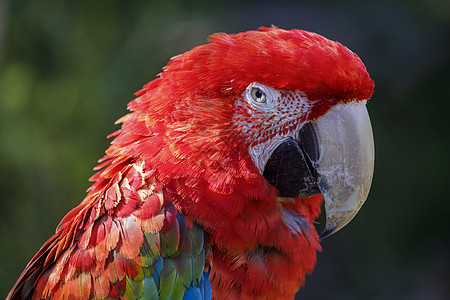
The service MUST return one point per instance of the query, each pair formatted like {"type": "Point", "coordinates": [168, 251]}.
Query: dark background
{"type": "Point", "coordinates": [68, 69]}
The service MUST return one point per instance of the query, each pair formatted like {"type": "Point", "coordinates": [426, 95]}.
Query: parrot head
{"type": "Point", "coordinates": [268, 114]}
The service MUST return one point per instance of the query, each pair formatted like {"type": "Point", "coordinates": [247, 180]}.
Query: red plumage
{"type": "Point", "coordinates": [179, 150]}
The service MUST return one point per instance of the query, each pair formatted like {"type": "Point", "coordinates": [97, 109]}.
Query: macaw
{"type": "Point", "coordinates": [211, 186]}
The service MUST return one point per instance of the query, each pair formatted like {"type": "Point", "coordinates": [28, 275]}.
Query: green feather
{"type": "Point", "coordinates": [133, 289]}
{"type": "Point", "coordinates": [148, 271]}
{"type": "Point", "coordinates": [171, 262]}
{"type": "Point", "coordinates": [184, 267]}
{"type": "Point", "coordinates": [170, 241]}
{"type": "Point", "coordinates": [150, 290]}
{"type": "Point", "coordinates": [149, 250]}
{"type": "Point", "coordinates": [171, 286]}
{"type": "Point", "coordinates": [198, 264]}
{"type": "Point", "coordinates": [191, 259]}
{"type": "Point", "coordinates": [197, 239]}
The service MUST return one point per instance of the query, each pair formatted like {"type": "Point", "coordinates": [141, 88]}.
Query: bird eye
{"type": "Point", "coordinates": [258, 95]}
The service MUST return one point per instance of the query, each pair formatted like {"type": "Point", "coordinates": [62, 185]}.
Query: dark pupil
{"type": "Point", "coordinates": [258, 94]}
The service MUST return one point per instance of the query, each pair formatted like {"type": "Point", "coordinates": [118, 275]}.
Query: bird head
{"type": "Point", "coordinates": [261, 115]}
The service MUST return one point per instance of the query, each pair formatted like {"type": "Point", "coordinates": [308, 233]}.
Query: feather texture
{"type": "Point", "coordinates": [178, 209]}
{"type": "Point", "coordinates": [147, 251]}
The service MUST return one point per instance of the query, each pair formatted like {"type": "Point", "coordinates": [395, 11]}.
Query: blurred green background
{"type": "Point", "coordinates": [68, 69]}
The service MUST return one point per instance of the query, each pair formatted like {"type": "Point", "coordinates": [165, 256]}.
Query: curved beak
{"type": "Point", "coordinates": [346, 162]}
{"type": "Point", "coordinates": [333, 155]}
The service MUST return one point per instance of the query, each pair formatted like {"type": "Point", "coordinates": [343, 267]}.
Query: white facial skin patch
{"type": "Point", "coordinates": [268, 116]}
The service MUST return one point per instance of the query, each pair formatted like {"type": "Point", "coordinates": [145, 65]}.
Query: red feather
{"type": "Point", "coordinates": [180, 150]}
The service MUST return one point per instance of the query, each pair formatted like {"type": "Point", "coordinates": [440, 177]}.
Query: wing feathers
{"type": "Point", "coordinates": [131, 238]}
{"type": "Point", "coordinates": [126, 242]}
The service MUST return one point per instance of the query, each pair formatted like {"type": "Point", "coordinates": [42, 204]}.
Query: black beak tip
{"type": "Point", "coordinates": [326, 233]}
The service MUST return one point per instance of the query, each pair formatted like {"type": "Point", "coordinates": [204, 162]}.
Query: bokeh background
{"type": "Point", "coordinates": [68, 69]}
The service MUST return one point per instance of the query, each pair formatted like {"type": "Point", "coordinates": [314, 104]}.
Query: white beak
{"type": "Point", "coordinates": [346, 162]}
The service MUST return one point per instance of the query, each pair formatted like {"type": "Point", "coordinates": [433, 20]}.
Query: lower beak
{"type": "Point", "coordinates": [333, 155]}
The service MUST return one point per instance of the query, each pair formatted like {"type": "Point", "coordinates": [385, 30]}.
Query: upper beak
{"type": "Point", "coordinates": [333, 155]}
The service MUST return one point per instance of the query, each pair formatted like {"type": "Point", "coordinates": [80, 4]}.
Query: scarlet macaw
{"type": "Point", "coordinates": [212, 184]}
